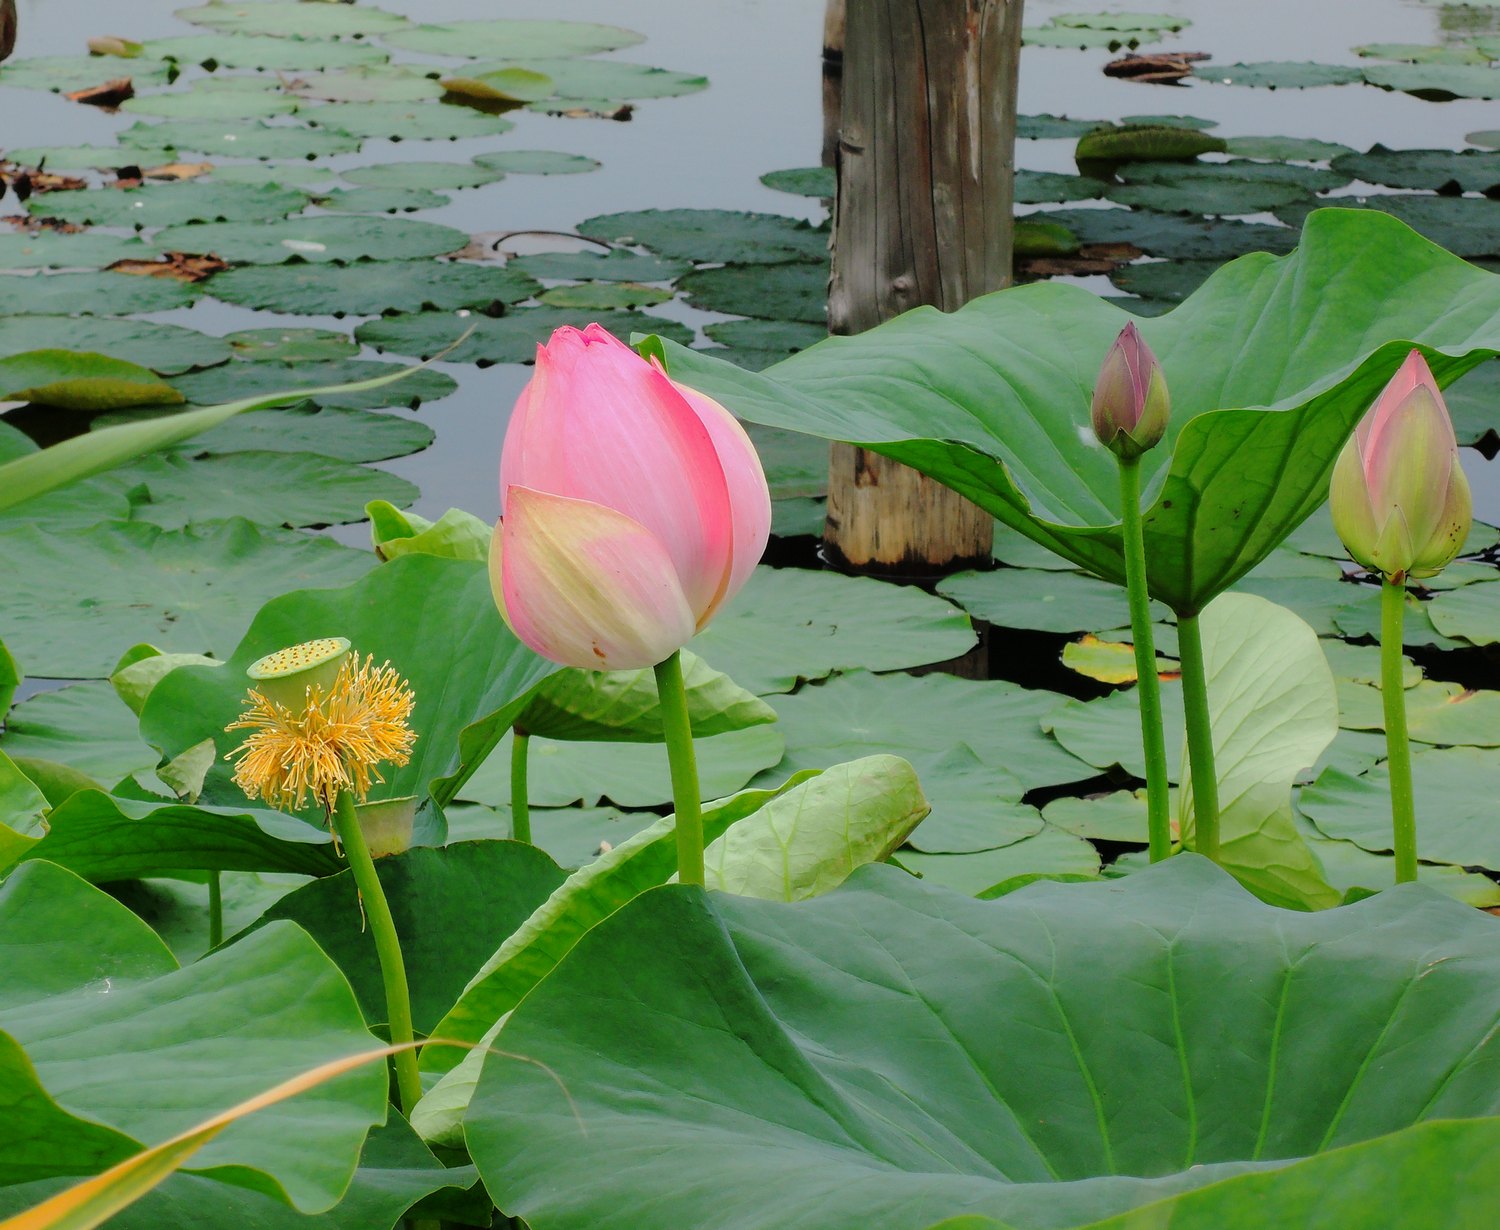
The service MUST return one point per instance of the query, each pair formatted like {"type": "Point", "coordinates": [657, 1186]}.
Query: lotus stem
{"type": "Point", "coordinates": [1148, 684]}
{"type": "Point", "coordinates": [215, 910]}
{"type": "Point", "coordinates": [520, 802]}
{"type": "Point", "coordinates": [387, 947]}
{"type": "Point", "coordinates": [678, 731]}
{"type": "Point", "coordinates": [1397, 746]}
{"type": "Point", "coordinates": [1200, 738]}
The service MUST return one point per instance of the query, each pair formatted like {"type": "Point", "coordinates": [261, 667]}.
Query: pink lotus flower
{"type": "Point", "coordinates": [1130, 407]}
{"type": "Point", "coordinates": [1399, 498]}
{"type": "Point", "coordinates": [632, 508]}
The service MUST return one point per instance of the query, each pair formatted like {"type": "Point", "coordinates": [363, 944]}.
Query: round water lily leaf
{"type": "Point", "coordinates": [1042, 187]}
{"type": "Point", "coordinates": [376, 83]}
{"type": "Point", "coordinates": [1173, 237]}
{"type": "Point", "coordinates": [512, 338]}
{"type": "Point", "coordinates": [210, 104]}
{"type": "Point", "coordinates": [1362, 619]}
{"type": "Point", "coordinates": [380, 200]}
{"type": "Point", "coordinates": [1422, 53]}
{"type": "Point", "coordinates": [805, 181]}
{"type": "Point", "coordinates": [77, 599]}
{"type": "Point", "coordinates": [536, 162]}
{"type": "Point", "coordinates": [1168, 121]}
{"type": "Point", "coordinates": [571, 835]}
{"type": "Point", "coordinates": [773, 336]}
{"type": "Point", "coordinates": [819, 998]}
{"type": "Point", "coordinates": [773, 292]}
{"type": "Point", "coordinates": [88, 157]}
{"type": "Point", "coordinates": [1440, 712]}
{"type": "Point", "coordinates": [1051, 853]}
{"type": "Point", "coordinates": [297, 20]}
{"type": "Point", "coordinates": [587, 79]}
{"type": "Point", "coordinates": [1440, 170]}
{"type": "Point", "coordinates": [616, 266]}
{"type": "Point", "coordinates": [167, 349]}
{"type": "Point", "coordinates": [1173, 281]}
{"type": "Point", "coordinates": [1120, 816]}
{"type": "Point", "coordinates": [590, 295]}
{"type": "Point", "coordinates": [789, 624]}
{"type": "Point", "coordinates": [720, 236]}
{"type": "Point", "coordinates": [291, 174]}
{"type": "Point", "coordinates": [422, 175]}
{"type": "Point", "coordinates": [65, 74]}
{"type": "Point", "coordinates": [102, 293]}
{"type": "Point", "coordinates": [368, 288]}
{"type": "Point", "coordinates": [170, 204]}
{"type": "Point", "coordinates": [1046, 601]}
{"type": "Point", "coordinates": [1207, 195]}
{"type": "Point", "coordinates": [513, 37]}
{"type": "Point", "coordinates": [290, 345]}
{"type": "Point", "coordinates": [1470, 613]}
{"type": "Point", "coordinates": [57, 250]}
{"type": "Point", "coordinates": [330, 431]}
{"type": "Point", "coordinates": [74, 380]}
{"type": "Point", "coordinates": [1106, 733]}
{"type": "Point", "coordinates": [1455, 791]}
{"type": "Point", "coordinates": [1054, 127]}
{"type": "Point", "coordinates": [241, 138]}
{"type": "Point", "coordinates": [1436, 82]}
{"type": "Point", "coordinates": [1121, 21]}
{"type": "Point", "coordinates": [407, 121]}
{"type": "Point", "coordinates": [1236, 170]}
{"type": "Point", "coordinates": [1473, 402]}
{"type": "Point", "coordinates": [1110, 144]}
{"type": "Point", "coordinates": [1281, 149]}
{"type": "Point", "coordinates": [224, 384]}
{"type": "Point", "coordinates": [314, 240]}
{"type": "Point", "coordinates": [85, 726]}
{"type": "Point", "coordinates": [1280, 74]}
{"type": "Point", "coordinates": [286, 55]}
{"type": "Point", "coordinates": [1084, 39]}
{"type": "Point", "coordinates": [1018, 551]}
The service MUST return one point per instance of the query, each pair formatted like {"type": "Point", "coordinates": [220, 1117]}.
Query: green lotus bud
{"type": "Point", "coordinates": [1131, 406]}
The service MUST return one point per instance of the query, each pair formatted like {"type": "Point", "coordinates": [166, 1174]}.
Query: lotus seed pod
{"type": "Point", "coordinates": [286, 675]}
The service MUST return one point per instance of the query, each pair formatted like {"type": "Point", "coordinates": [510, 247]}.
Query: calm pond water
{"type": "Point", "coordinates": [762, 113]}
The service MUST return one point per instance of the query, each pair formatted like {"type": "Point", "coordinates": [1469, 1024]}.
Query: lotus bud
{"type": "Point", "coordinates": [632, 508]}
{"type": "Point", "coordinates": [1399, 498]}
{"type": "Point", "coordinates": [1131, 407]}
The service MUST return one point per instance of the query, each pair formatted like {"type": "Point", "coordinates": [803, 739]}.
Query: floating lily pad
{"type": "Point", "coordinates": [241, 139]}
{"type": "Point", "coordinates": [236, 380]}
{"type": "Point", "coordinates": [774, 292]}
{"type": "Point", "coordinates": [1423, 53]}
{"type": "Point", "coordinates": [512, 338]}
{"type": "Point", "coordinates": [368, 288]}
{"type": "Point", "coordinates": [1440, 170]}
{"type": "Point", "coordinates": [380, 200]}
{"type": "Point", "coordinates": [789, 624]}
{"type": "Point", "coordinates": [86, 727]}
{"type": "Point", "coordinates": [314, 239]}
{"type": "Point", "coordinates": [574, 78]}
{"type": "Point", "coordinates": [298, 20]}
{"type": "Point", "coordinates": [1474, 404]}
{"type": "Point", "coordinates": [170, 204]}
{"type": "Point", "coordinates": [803, 181]}
{"type": "Point", "coordinates": [1362, 619]}
{"type": "Point", "coordinates": [1120, 816]}
{"type": "Point", "coordinates": [1035, 236]}
{"type": "Point", "coordinates": [1442, 713]}
{"type": "Point", "coordinates": [1236, 170]}
{"type": "Point", "coordinates": [216, 105]}
{"type": "Point", "coordinates": [65, 74]}
{"type": "Point", "coordinates": [332, 431]}
{"type": "Point", "coordinates": [1436, 82]}
{"type": "Point", "coordinates": [590, 295]}
{"type": "Point", "coordinates": [1278, 149]}
{"type": "Point", "coordinates": [508, 85]}
{"type": "Point", "coordinates": [1170, 280]}
{"type": "Point", "coordinates": [88, 157]}
{"type": "Point", "coordinates": [286, 55]}
{"type": "Point", "coordinates": [536, 162]}
{"type": "Point", "coordinates": [166, 349]}
{"type": "Point", "coordinates": [1279, 75]}
{"type": "Point", "coordinates": [1052, 853]}
{"type": "Point", "coordinates": [1084, 39]}
{"type": "Point", "coordinates": [1053, 127]}
{"type": "Point", "coordinates": [75, 380]}
{"type": "Point", "coordinates": [1465, 226]}
{"type": "Point", "coordinates": [1207, 195]}
{"type": "Point", "coordinates": [1021, 552]}
{"type": "Point", "coordinates": [75, 600]}
{"type": "Point", "coordinates": [1106, 733]}
{"type": "Point", "coordinates": [1040, 600]}
{"type": "Point", "coordinates": [440, 175]}
{"type": "Point", "coordinates": [1470, 613]}
{"type": "Point", "coordinates": [778, 336]}
{"type": "Point", "coordinates": [1121, 21]}
{"type": "Point", "coordinates": [513, 37]}
{"type": "Point", "coordinates": [78, 505]}
{"type": "Point", "coordinates": [1044, 187]}
{"type": "Point", "coordinates": [288, 174]}
{"type": "Point", "coordinates": [375, 83]}
{"type": "Point", "coordinates": [616, 266]}
{"type": "Point", "coordinates": [291, 345]}
{"type": "Point", "coordinates": [102, 293]}
{"type": "Point", "coordinates": [720, 236]}
{"type": "Point", "coordinates": [1111, 144]}
{"type": "Point", "coordinates": [1169, 121]}
{"type": "Point", "coordinates": [56, 250]}
{"type": "Point", "coordinates": [416, 121]}
{"type": "Point", "coordinates": [1173, 237]}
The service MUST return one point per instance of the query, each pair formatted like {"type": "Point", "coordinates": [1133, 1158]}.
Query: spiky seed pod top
{"type": "Point", "coordinates": [335, 742]}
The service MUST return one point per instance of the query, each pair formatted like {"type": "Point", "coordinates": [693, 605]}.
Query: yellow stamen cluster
{"type": "Point", "coordinates": [334, 744]}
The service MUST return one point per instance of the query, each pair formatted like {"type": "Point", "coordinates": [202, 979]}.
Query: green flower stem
{"type": "Point", "coordinates": [1148, 685]}
{"type": "Point", "coordinates": [1397, 748]}
{"type": "Point", "coordinates": [520, 802]}
{"type": "Point", "coordinates": [387, 947]}
{"type": "Point", "coordinates": [1199, 737]}
{"type": "Point", "coordinates": [684, 762]}
{"type": "Point", "coordinates": [215, 910]}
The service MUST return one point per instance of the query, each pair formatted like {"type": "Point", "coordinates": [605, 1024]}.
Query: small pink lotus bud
{"type": "Point", "coordinates": [1399, 498]}
{"type": "Point", "coordinates": [632, 508]}
{"type": "Point", "coordinates": [1131, 406]}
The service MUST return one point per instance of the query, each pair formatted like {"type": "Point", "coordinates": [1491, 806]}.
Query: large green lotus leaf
{"type": "Point", "coordinates": [453, 905]}
{"type": "Point", "coordinates": [1422, 53]}
{"type": "Point", "coordinates": [77, 599]}
{"type": "Point", "coordinates": [574, 78]}
{"type": "Point", "coordinates": [591, 295]}
{"type": "Point", "coordinates": [992, 399]}
{"type": "Point", "coordinates": [720, 236]}
{"type": "Point", "coordinates": [854, 1060]}
{"type": "Point", "coordinates": [622, 706]}
{"type": "Point", "coordinates": [1049, 853]}
{"type": "Point", "coordinates": [109, 1046]}
{"type": "Point", "coordinates": [170, 204]}
{"type": "Point", "coordinates": [790, 624]}
{"type": "Point", "coordinates": [1047, 601]}
{"type": "Point", "coordinates": [537, 162]}
{"type": "Point", "coordinates": [1083, 39]}
{"type": "Point", "coordinates": [513, 37]}
{"type": "Point", "coordinates": [370, 288]}
{"type": "Point", "coordinates": [1280, 74]}
{"type": "Point", "coordinates": [287, 55]}
{"type": "Point", "coordinates": [65, 74]}
{"type": "Point", "coordinates": [1439, 712]}
{"type": "Point", "coordinates": [1210, 195]}
{"type": "Point", "coordinates": [618, 265]}
{"type": "Point", "coordinates": [351, 435]}
{"type": "Point", "coordinates": [407, 121]}
{"type": "Point", "coordinates": [512, 338]}
{"type": "Point", "coordinates": [280, 345]}
{"type": "Point", "coordinates": [240, 138]}
{"type": "Point", "coordinates": [792, 291]}
{"type": "Point", "coordinates": [315, 239]}
{"type": "Point", "coordinates": [1119, 816]}
{"type": "Point", "coordinates": [1170, 236]}
{"type": "Point", "coordinates": [376, 83]}
{"type": "Point", "coordinates": [1279, 149]}
{"type": "Point", "coordinates": [1474, 406]}
{"type": "Point", "coordinates": [563, 773]}
{"type": "Point", "coordinates": [226, 106]}
{"type": "Point", "coordinates": [293, 20]}
{"type": "Point", "coordinates": [380, 200]}
{"type": "Point", "coordinates": [1037, 187]}
{"type": "Point", "coordinates": [1436, 82]}
{"type": "Point", "coordinates": [433, 619]}
{"type": "Point", "coordinates": [1188, 174]}
{"type": "Point", "coordinates": [1054, 127]}
{"type": "Point", "coordinates": [59, 250]}
{"type": "Point", "coordinates": [1455, 788]}
{"type": "Point", "coordinates": [440, 175]}
{"type": "Point", "coordinates": [1441, 170]}
{"type": "Point", "coordinates": [96, 294]}
{"type": "Point", "coordinates": [1121, 21]}
{"type": "Point", "coordinates": [1107, 732]}
{"type": "Point", "coordinates": [103, 838]}
{"type": "Point", "coordinates": [1470, 612]}
{"type": "Point", "coordinates": [167, 349]}
{"type": "Point", "coordinates": [263, 379]}
{"type": "Point", "coordinates": [571, 835]}
{"type": "Point", "coordinates": [860, 713]}
{"type": "Point", "coordinates": [86, 727]}
{"type": "Point", "coordinates": [77, 380]}
{"type": "Point", "coordinates": [1273, 711]}
{"type": "Point", "coordinates": [89, 157]}
{"type": "Point", "coordinates": [271, 488]}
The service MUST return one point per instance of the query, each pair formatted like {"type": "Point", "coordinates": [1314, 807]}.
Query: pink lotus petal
{"type": "Point", "coordinates": [584, 585]}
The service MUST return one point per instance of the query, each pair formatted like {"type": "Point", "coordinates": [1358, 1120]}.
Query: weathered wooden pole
{"type": "Point", "coordinates": [925, 160]}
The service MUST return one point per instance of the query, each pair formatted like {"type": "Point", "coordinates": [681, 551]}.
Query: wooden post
{"type": "Point", "coordinates": [833, 78]}
{"type": "Point", "coordinates": [926, 186]}
{"type": "Point", "coordinates": [7, 27]}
